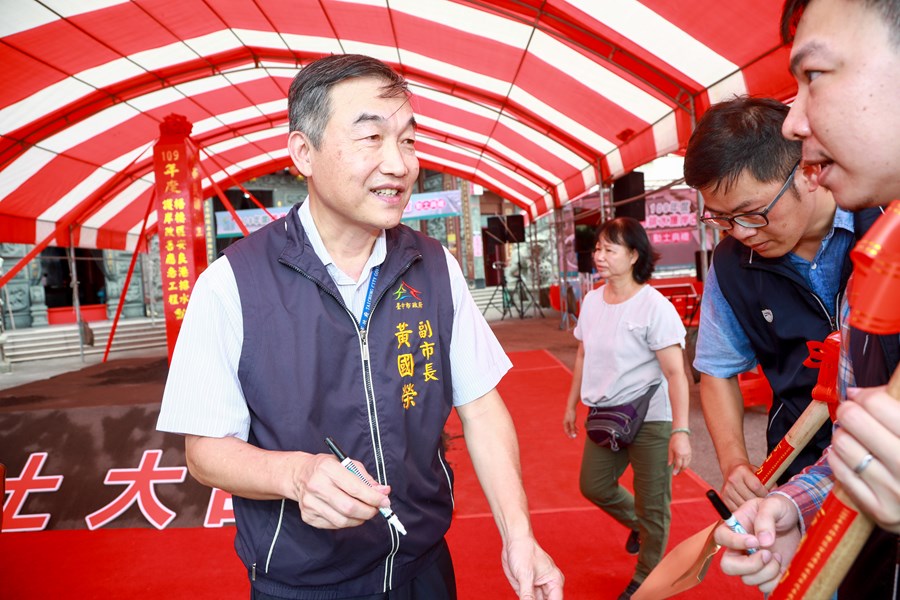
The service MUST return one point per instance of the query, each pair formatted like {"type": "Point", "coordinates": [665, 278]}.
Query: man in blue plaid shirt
{"type": "Point", "coordinates": [845, 57]}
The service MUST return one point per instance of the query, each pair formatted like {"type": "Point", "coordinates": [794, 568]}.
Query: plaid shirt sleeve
{"type": "Point", "coordinates": [846, 379]}
{"type": "Point", "coordinates": [809, 488]}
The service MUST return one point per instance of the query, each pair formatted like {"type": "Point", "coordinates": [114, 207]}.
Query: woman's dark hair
{"type": "Point", "coordinates": [628, 232]}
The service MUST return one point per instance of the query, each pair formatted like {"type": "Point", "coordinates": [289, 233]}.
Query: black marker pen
{"type": "Point", "coordinates": [387, 513]}
{"type": "Point", "coordinates": [726, 515]}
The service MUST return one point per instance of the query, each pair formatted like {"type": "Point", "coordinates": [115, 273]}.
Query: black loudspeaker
{"type": "Point", "coordinates": [515, 229]}
{"type": "Point", "coordinates": [509, 229]}
{"type": "Point", "coordinates": [495, 230]}
{"type": "Point", "coordinates": [584, 248]}
{"type": "Point", "coordinates": [494, 258]}
{"type": "Point", "coordinates": [585, 262]}
{"type": "Point", "coordinates": [629, 186]}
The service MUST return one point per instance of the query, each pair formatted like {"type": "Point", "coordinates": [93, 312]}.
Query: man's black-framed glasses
{"type": "Point", "coordinates": [751, 220]}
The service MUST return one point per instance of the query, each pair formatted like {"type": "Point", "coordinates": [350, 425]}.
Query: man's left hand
{"type": "Point", "coordinates": [531, 572]}
{"type": "Point", "coordinates": [865, 454]}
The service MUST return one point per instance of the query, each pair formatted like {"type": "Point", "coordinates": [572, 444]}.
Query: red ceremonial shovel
{"type": "Point", "coordinates": [686, 565]}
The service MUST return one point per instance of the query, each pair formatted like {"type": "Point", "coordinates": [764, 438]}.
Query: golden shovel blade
{"type": "Point", "coordinates": [682, 568]}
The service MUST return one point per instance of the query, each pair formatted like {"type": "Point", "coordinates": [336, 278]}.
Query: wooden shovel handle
{"type": "Point", "coordinates": [813, 417]}
{"type": "Point", "coordinates": [831, 544]}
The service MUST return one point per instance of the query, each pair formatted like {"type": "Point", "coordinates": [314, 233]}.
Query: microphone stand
{"type": "Point", "coordinates": [499, 266]}
{"type": "Point", "coordinates": [521, 291]}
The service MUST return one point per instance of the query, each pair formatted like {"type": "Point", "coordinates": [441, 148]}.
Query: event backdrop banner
{"type": "Point", "coordinates": [253, 219]}
{"type": "Point", "coordinates": [430, 205]}
{"type": "Point", "coordinates": [671, 224]}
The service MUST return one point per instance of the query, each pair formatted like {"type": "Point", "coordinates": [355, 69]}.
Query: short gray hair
{"type": "Point", "coordinates": [309, 98]}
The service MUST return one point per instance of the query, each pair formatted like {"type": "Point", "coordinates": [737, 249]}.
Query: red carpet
{"type": "Point", "coordinates": [587, 544]}
{"type": "Point", "coordinates": [200, 563]}
{"type": "Point", "coordinates": [175, 563]}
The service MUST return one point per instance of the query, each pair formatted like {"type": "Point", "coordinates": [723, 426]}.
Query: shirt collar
{"type": "Point", "coordinates": [843, 219]}
{"type": "Point", "coordinates": [379, 250]}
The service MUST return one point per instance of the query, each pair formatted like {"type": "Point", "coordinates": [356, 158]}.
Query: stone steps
{"type": "Point", "coordinates": [62, 341]}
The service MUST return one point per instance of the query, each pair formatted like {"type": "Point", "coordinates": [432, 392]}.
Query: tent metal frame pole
{"type": "Point", "coordinates": [559, 225]}
{"type": "Point", "coordinates": [7, 305]}
{"type": "Point", "coordinates": [76, 303]}
{"type": "Point", "coordinates": [559, 255]}
{"type": "Point", "coordinates": [600, 195]}
{"type": "Point", "coordinates": [12, 319]}
{"type": "Point", "coordinates": [701, 226]}
{"type": "Point", "coordinates": [149, 277]}
{"type": "Point", "coordinates": [124, 292]}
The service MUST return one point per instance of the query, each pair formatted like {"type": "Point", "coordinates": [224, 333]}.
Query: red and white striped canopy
{"type": "Point", "coordinates": [536, 100]}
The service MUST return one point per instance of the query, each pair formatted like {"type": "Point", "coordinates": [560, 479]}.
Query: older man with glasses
{"type": "Point", "coordinates": [774, 280]}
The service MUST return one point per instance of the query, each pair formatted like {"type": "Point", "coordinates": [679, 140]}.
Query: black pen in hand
{"type": "Point", "coordinates": [387, 513]}
{"type": "Point", "coordinates": [726, 515]}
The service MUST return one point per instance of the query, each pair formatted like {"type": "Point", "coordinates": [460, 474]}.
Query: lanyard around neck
{"type": "Point", "coordinates": [367, 307]}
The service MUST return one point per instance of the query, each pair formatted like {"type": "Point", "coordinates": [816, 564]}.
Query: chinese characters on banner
{"type": "Point", "coordinates": [671, 225]}
{"type": "Point", "coordinates": [670, 210]}
{"type": "Point", "coordinates": [139, 488]}
{"type": "Point", "coordinates": [182, 239]}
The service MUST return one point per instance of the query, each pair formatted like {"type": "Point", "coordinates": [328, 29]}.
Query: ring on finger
{"type": "Point", "coordinates": [863, 464]}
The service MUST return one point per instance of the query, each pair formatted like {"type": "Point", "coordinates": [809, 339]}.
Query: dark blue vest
{"type": "Point", "coordinates": [798, 315]}
{"type": "Point", "coordinates": [307, 372]}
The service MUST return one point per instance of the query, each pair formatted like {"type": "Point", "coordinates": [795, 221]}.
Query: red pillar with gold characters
{"type": "Point", "coordinates": [179, 206]}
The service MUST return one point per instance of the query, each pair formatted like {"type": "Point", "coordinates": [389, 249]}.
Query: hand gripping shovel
{"type": "Point", "coordinates": [686, 565]}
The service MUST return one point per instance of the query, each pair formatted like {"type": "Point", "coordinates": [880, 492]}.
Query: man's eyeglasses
{"type": "Point", "coordinates": [751, 220]}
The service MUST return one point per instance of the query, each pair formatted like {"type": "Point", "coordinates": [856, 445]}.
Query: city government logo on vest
{"type": "Point", "coordinates": [406, 296]}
